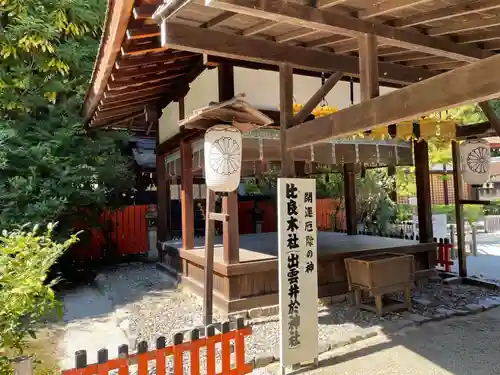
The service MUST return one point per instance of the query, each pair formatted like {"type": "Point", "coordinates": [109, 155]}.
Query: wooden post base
{"type": "Point", "coordinates": [383, 305]}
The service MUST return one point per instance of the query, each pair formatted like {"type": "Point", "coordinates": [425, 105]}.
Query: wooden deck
{"type": "Point", "coordinates": [254, 281]}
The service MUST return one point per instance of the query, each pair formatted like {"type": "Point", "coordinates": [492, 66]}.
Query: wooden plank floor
{"type": "Point", "coordinates": [264, 246]}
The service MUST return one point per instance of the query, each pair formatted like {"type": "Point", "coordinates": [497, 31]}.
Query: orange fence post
{"type": "Point", "coordinates": [143, 356]}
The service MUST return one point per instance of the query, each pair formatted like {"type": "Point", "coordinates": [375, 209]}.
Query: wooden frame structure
{"type": "Point", "coordinates": [439, 54]}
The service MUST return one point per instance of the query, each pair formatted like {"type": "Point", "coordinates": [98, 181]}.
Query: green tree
{"type": "Point", "coordinates": [49, 167]}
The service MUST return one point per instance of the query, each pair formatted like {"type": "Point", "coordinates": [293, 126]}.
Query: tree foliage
{"type": "Point", "coordinates": [49, 167]}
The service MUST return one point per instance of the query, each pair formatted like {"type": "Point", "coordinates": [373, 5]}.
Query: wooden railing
{"type": "Point", "coordinates": [143, 358]}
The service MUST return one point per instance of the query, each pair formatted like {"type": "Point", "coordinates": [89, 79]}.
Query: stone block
{"type": "Point", "coordinates": [270, 310]}
{"type": "Point", "coordinates": [488, 303]}
{"type": "Point", "coordinates": [422, 301]}
{"type": "Point", "coordinates": [453, 280]}
{"type": "Point", "coordinates": [263, 359]}
{"type": "Point", "coordinates": [323, 347]}
{"type": "Point", "coordinates": [418, 319]}
{"type": "Point", "coordinates": [444, 311]}
{"type": "Point", "coordinates": [255, 313]}
{"type": "Point", "coordinates": [474, 308]}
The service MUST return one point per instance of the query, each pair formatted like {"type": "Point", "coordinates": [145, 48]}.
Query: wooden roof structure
{"type": "Point", "coordinates": [416, 40]}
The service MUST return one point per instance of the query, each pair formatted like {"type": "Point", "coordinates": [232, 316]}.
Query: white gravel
{"type": "Point", "coordinates": [155, 307]}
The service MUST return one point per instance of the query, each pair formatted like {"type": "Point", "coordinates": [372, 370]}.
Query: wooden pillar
{"type": "Point", "coordinates": [393, 194]}
{"type": "Point", "coordinates": [459, 209]}
{"type": "Point", "coordinates": [369, 88]}
{"type": "Point", "coordinates": [286, 118]}
{"type": "Point", "coordinates": [187, 201]}
{"type": "Point", "coordinates": [230, 228]}
{"type": "Point", "coordinates": [421, 152]}
{"type": "Point", "coordinates": [225, 73]}
{"type": "Point", "coordinates": [350, 198]}
{"type": "Point", "coordinates": [162, 198]}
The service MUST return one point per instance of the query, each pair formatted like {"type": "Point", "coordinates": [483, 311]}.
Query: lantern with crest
{"type": "Point", "coordinates": [223, 145]}
{"type": "Point", "coordinates": [475, 161]}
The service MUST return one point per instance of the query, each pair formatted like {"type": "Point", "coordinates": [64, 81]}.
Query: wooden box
{"type": "Point", "coordinates": [380, 273]}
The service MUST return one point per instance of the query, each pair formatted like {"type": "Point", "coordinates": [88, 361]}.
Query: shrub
{"type": "Point", "coordinates": [26, 298]}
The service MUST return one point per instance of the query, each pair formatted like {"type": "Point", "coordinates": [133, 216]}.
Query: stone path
{"type": "Point", "coordinates": [460, 346]}
{"type": "Point", "coordinates": [89, 324]}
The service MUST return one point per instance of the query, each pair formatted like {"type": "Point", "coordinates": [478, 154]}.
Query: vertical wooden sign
{"type": "Point", "coordinates": [298, 277]}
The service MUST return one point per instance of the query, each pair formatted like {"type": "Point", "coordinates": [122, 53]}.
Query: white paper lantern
{"type": "Point", "coordinates": [223, 146]}
{"type": "Point", "coordinates": [475, 159]}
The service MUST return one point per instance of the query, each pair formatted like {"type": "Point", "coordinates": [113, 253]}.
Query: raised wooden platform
{"type": "Point", "coordinates": [254, 281]}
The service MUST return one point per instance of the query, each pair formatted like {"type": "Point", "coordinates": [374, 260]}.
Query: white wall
{"type": "Point", "coordinates": [261, 89]}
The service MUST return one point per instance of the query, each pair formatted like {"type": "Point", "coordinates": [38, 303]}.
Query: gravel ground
{"type": "Point", "coordinates": [156, 308]}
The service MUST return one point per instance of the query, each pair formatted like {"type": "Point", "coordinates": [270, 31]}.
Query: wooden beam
{"type": "Point", "coordinates": [221, 18]}
{"type": "Point", "coordinates": [187, 205]}
{"type": "Point", "coordinates": [286, 117]}
{"type": "Point", "coordinates": [491, 116]}
{"type": "Point", "coordinates": [144, 81]}
{"type": "Point", "coordinates": [460, 27]}
{"type": "Point", "coordinates": [262, 51]}
{"type": "Point", "coordinates": [435, 94]}
{"type": "Point", "coordinates": [481, 36]}
{"type": "Point", "coordinates": [389, 6]}
{"type": "Point", "coordinates": [146, 31]}
{"type": "Point", "coordinates": [405, 56]}
{"type": "Point", "coordinates": [325, 41]}
{"type": "Point", "coordinates": [459, 209]}
{"type": "Point", "coordinates": [492, 46]}
{"type": "Point", "coordinates": [447, 12]}
{"type": "Point", "coordinates": [314, 100]}
{"type": "Point", "coordinates": [480, 130]}
{"type": "Point", "coordinates": [144, 11]}
{"type": "Point", "coordinates": [136, 73]}
{"type": "Point", "coordinates": [258, 28]}
{"type": "Point", "coordinates": [162, 193]}
{"type": "Point", "coordinates": [167, 57]}
{"type": "Point", "coordinates": [293, 35]}
{"type": "Point", "coordinates": [304, 16]}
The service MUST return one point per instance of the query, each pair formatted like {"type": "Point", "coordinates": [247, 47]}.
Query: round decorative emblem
{"type": "Point", "coordinates": [478, 161]}
{"type": "Point", "coordinates": [225, 156]}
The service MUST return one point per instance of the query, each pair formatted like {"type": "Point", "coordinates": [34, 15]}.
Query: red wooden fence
{"type": "Point", "coordinates": [143, 357]}
{"type": "Point", "coordinates": [129, 231]}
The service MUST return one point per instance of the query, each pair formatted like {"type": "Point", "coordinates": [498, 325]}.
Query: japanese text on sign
{"type": "Point", "coordinates": [298, 271]}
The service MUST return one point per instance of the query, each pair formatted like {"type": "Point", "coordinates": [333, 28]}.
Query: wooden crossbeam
{"type": "Point", "coordinates": [258, 28]}
{"type": "Point", "coordinates": [481, 36]}
{"type": "Point", "coordinates": [169, 76]}
{"type": "Point", "coordinates": [144, 11]}
{"type": "Point", "coordinates": [476, 83]}
{"type": "Point", "coordinates": [428, 61]}
{"type": "Point", "coordinates": [381, 8]}
{"type": "Point", "coordinates": [492, 46]}
{"type": "Point", "coordinates": [304, 16]}
{"type": "Point", "coordinates": [325, 41]}
{"type": "Point", "coordinates": [491, 116]}
{"type": "Point", "coordinates": [405, 56]}
{"type": "Point", "coordinates": [237, 47]}
{"type": "Point", "coordinates": [142, 46]}
{"type": "Point", "coordinates": [221, 18]}
{"type": "Point", "coordinates": [306, 110]}
{"type": "Point", "coordinates": [123, 74]}
{"type": "Point", "coordinates": [135, 62]}
{"type": "Point", "coordinates": [147, 31]}
{"type": "Point", "coordinates": [460, 27]}
{"type": "Point", "coordinates": [449, 11]}
{"type": "Point", "coordinates": [104, 104]}
{"type": "Point", "coordinates": [293, 35]}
